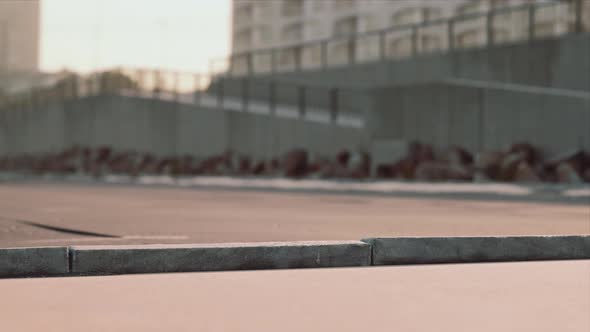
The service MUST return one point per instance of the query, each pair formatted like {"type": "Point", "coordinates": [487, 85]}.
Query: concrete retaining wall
{"type": "Point", "coordinates": [101, 260]}
{"type": "Point", "coordinates": [480, 119]}
{"type": "Point", "coordinates": [167, 128]}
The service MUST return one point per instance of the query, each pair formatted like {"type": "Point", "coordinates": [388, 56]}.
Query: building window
{"type": "Point", "coordinates": [264, 10]}
{"type": "Point", "coordinates": [292, 8]}
{"type": "Point", "coordinates": [243, 39]}
{"type": "Point", "coordinates": [346, 26]}
{"type": "Point", "coordinates": [243, 14]}
{"type": "Point", "coordinates": [501, 35]}
{"type": "Point", "coordinates": [431, 14]}
{"type": "Point", "coordinates": [319, 5]}
{"type": "Point", "coordinates": [406, 16]}
{"type": "Point", "coordinates": [264, 35]}
{"type": "Point", "coordinates": [469, 8]}
{"type": "Point", "coordinates": [293, 32]}
{"type": "Point", "coordinates": [469, 38]}
{"type": "Point", "coordinates": [545, 29]}
{"type": "Point", "coordinates": [416, 15]}
{"type": "Point", "coordinates": [431, 43]}
{"type": "Point", "coordinates": [344, 4]}
{"type": "Point", "coordinates": [401, 47]}
{"type": "Point", "coordinates": [499, 4]}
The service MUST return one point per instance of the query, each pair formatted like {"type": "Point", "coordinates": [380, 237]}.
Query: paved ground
{"type": "Point", "coordinates": [534, 296]}
{"type": "Point", "coordinates": [34, 214]}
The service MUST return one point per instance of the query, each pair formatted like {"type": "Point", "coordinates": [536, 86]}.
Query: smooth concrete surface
{"type": "Point", "coordinates": [217, 257]}
{"type": "Point", "coordinates": [33, 262]}
{"type": "Point", "coordinates": [524, 297]}
{"type": "Point", "coordinates": [428, 250]}
{"type": "Point", "coordinates": [482, 118]}
{"type": "Point", "coordinates": [131, 214]}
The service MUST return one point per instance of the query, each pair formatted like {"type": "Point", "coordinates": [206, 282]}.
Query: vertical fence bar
{"type": "Point", "coordinates": [531, 22]}
{"type": "Point", "coordinates": [490, 29]}
{"type": "Point", "coordinates": [273, 60]}
{"type": "Point", "coordinates": [176, 86]}
{"type": "Point", "coordinates": [324, 54]}
{"type": "Point", "coordinates": [231, 65]}
{"type": "Point", "coordinates": [578, 8]}
{"type": "Point", "coordinates": [351, 48]}
{"type": "Point", "coordinates": [302, 102]}
{"type": "Point", "coordinates": [137, 82]}
{"type": "Point", "coordinates": [220, 92]}
{"type": "Point", "coordinates": [334, 107]}
{"type": "Point", "coordinates": [157, 84]}
{"type": "Point", "coordinates": [245, 94]}
{"type": "Point", "coordinates": [297, 53]}
{"type": "Point", "coordinates": [197, 89]}
{"type": "Point", "coordinates": [451, 34]}
{"type": "Point", "coordinates": [250, 64]}
{"type": "Point", "coordinates": [382, 46]}
{"type": "Point", "coordinates": [75, 90]}
{"type": "Point", "coordinates": [272, 97]}
{"type": "Point", "coordinates": [414, 40]}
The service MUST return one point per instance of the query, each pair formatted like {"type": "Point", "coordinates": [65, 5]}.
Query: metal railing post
{"type": "Point", "coordinates": [176, 86]}
{"type": "Point", "coordinates": [297, 53]}
{"type": "Point", "coordinates": [245, 94]}
{"type": "Point", "coordinates": [273, 60]}
{"type": "Point", "coordinates": [197, 90]}
{"type": "Point", "coordinates": [272, 97]}
{"type": "Point", "coordinates": [531, 22]}
{"type": "Point", "coordinates": [578, 8]}
{"type": "Point", "coordinates": [414, 41]}
{"type": "Point", "coordinates": [231, 66]}
{"type": "Point", "coordinates": [334, 105]}
{"type": "Point", "coordinates": [250, 63]}
{"type": "Point", "coordinates": [324, 54]}
{"type": "Point", "coordinates": [139, 82]}
{"type": "Point", "coordinates": [351, 51]}
{"type": "Point", "coordinates": [490, 29]}
{"type": "Point", "coordinates": [220, 92]}
{"type": "Point", "coordinates": [75, 89]}
{"type": "Point", "coordinates": [157, 84]}
{"type": "Point", "coordinates": [301, 91]}
{"type": "Point", "coordinates": [451, 34]}
{"type": "Point", "coordinates": [382, 46]}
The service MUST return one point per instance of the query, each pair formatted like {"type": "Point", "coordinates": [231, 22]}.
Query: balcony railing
{"type": "Point", "coordinates": [501, 25]}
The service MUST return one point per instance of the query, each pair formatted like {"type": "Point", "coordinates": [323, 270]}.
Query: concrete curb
{"type": "Point", "coordinates": [128, 259]}
{"type": "Point", "coordinates": [432, 250]}
{"type": "Point", "coordinates": [217, 257]}
{"type": "Point", "coordinates": [33, 262]}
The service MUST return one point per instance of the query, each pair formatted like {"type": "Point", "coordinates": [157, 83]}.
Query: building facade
{"type": "Point", "coordinates": [263, 24]}
{"type": "Point", "coordinates": [19, 36]}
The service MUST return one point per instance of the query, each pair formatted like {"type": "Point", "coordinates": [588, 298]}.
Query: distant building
{"type": "Point", "coordinates": [19, 35]}
{"type": "Point", "coordinates": [259, 24]}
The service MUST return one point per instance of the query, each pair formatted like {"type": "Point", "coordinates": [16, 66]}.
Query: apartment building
{"type": "Point", "coordinates": [261, 24]}
{"type": "Point", "coordinates": [19, 36]}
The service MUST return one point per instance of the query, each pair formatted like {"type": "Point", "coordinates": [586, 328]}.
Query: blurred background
{"type": "Point", "coordinates": [454, 90]}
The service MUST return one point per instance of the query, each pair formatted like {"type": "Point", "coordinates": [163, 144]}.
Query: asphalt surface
{"type": "Point", "coordinates": [532, 296]}
{"type": "Point", "coordinates": [35, 214]}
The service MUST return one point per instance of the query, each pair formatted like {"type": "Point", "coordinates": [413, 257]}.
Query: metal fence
{"type": "Point", "coordinates": [503, 25]}
{"type": "Point", "coordinates": [312, 102]}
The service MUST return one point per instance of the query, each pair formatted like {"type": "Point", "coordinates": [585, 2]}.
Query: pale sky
{"type": "Point", "coordinates": [84, 35]}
